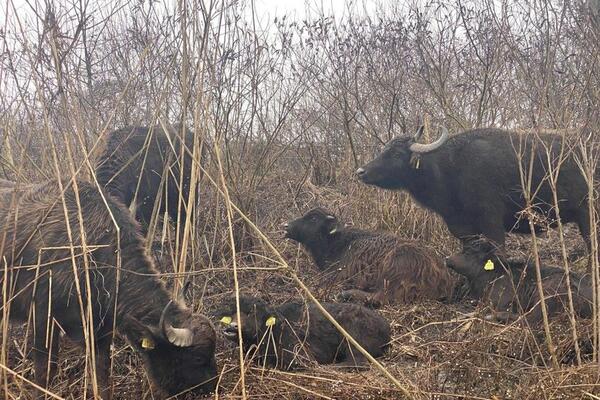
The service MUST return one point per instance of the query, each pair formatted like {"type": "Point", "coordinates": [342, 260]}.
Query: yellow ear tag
{"type": "Point", "coordinates": [270, 321]}
{"type": "Point", "coordinates": [415, 161]}
{"type": "Point", "coordinates": [489, 265]}
{"type": "Point", "coordinates": [147, 343]}
{"type": "Point", "coordinates": [226, 320]}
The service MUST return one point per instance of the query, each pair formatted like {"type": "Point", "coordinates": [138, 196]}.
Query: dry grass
{"type": "Point", "coordinates": [293, 108]}
{"type": "Point", "coordinates": [444, 351]}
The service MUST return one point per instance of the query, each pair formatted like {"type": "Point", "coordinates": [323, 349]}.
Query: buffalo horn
{"type": "Point", "coordinates": [181, 337]}
{"type": "Point", "coordinates": [426, 148]}
{"type": "Point", "coordinates": [419, 133]}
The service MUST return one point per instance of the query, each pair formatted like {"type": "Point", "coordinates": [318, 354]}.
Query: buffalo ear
{"type": "Point", "coordinates": [139, 336]}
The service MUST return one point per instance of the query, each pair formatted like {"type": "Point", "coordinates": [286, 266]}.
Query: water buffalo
{"type": "Point", "coordinates": [290, 333]}
{"type": "Point", "coordinates": [473, 181]}
{"type": "Point", "coordinates": [509, 286]}
{"type": "Point", "coordinates": [61, 257]}
{"type": "Point", "coordinates": [376, 268]}
{"type": "Point", "coordinates": [133, 162]}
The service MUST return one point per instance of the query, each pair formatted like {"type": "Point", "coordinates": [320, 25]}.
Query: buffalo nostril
{"type": "Point", "coordinates": [360, 171]}
{"type": "Point", "coordinates": [286, 225]}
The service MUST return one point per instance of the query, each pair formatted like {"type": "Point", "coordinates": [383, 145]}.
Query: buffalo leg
{"type": "Point", "coordinates": [359, 297]}
{"type": "Point", "coordinates": [583, 223]}
{"type": "Point", "coordinates": [103, 367]}
{"type": "Point", "coordinates": [45, 353]}
{"type": "Point", "coordinates": [355, 361]}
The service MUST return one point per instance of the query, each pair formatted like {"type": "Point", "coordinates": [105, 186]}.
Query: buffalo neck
{"type": "Point", "coordinates": [141, 293]}
{"type": "Point", "coordinates": [428, 184]}
{"type": "Point", "coordinates": [329, 249]}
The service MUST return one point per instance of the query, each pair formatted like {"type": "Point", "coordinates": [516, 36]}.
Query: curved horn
{"type": "Point", "coordinates": [419, 133]}
{"type": "Point", "coordinates": [426, 148]}
{"type": "Point", "coordinates": [181, 337]}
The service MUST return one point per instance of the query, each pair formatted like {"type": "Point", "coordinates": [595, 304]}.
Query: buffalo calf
{"type": "Point", "coordinates": [380, 268]}
{"type": "Point", "coordinates": [75, 258]}
{"type": "Point", "coordinates": [510, 287]}
{"type": "Point", "coordinates": [288, 334]}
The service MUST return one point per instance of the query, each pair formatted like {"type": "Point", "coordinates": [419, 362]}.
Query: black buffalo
{"type": "Point", "coordinates": [509, 287]}
{"type": "Point", "coordinates": [61, 259]}
{"type": "Point", "coordinates": [375, 267]}
{"type": "Point", "coordinates": [289, 334]}
{"type": "Point", "coordinates": [132, 165]}
{"type": "Point", "coordinates": [473, 181]}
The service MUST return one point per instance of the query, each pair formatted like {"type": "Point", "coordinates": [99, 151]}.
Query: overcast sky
{"type": "Point", "coordinates": [300, 8]}
{"type": "Point", "coordinates": [272, 8]}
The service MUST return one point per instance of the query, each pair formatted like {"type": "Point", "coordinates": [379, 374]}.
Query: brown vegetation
{"type": "Point", "coordinates": [291, 108]}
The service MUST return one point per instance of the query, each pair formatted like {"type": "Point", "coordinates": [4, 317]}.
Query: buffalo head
{"type": "Point", "coordinates": [393, 166]}
{"type": "Point", "coordinates": [315, 225]}
{"type": "Point", "coordinates": [256, 318]}
{"type": "Point", "coordinates": [178, 354]}
{"type": "Point", "coordinates": [479, 261]}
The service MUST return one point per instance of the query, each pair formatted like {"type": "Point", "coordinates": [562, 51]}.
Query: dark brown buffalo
{"type": "Point", "coordinates": [377, 268]}
{"type": "Point", "coordinates": [472, 180]}
{"type": "Point", "coordinates": [509, 287]}
{"type": "Point", "coordinates": [44, 278]}
{"type": "Point", "coordinates": [288, 335]}
{"type": "Point", "coordinates": [133, 162]}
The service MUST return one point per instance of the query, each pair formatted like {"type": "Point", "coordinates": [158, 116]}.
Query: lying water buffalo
{"type": "Point", "coordinates": [509, 287]}
{"type": "Point", "coordinates": [287, 335]}
{"type": "Point", "coordinates": [377, 268]}
{"type": "Point", "coordinates": [50, 251]}
{"type": "Point", "coordinates": [133, 162]}
{"type": "Point", "coordinates": [473, 181]}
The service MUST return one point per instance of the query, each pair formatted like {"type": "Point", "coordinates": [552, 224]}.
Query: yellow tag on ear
{"type": "Point", "coordinates": [226, 320]}
{"type": "Point", "coordinates": [270, 321]}
{"type": "Point", "coordinates": [415, 161]}
{"type": "Point", "coordinates": [147, 343]}
{"type": "Point", "coordinates": [489, 265]}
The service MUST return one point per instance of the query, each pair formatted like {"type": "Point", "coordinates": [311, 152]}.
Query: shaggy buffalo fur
{"type": "Point", "coordinates": [378, 268]}
{"type": "Point", "coordinates": [132, 165]}
{"type": "Point", "coordinates": [44, 278]}
{"type": "Point", "coordinates": [300, 332]}
{"type": "Point", "coordinates": [509, 287]}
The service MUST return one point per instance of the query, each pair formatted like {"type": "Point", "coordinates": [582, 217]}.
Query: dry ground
{"type": "Point", "coordinates": [438, 351]}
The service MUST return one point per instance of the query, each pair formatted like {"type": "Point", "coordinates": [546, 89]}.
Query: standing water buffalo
{"type": "Point", "coordinates": [376, 268]}
{"type": "Point", "coordinates": [509, 287]}
{"type": "Point", "coordinates": [473, 181]}
{"type": "Point", "coordinates": [48, 251]}
{"type": "Point", "coordinates": [132, 165]}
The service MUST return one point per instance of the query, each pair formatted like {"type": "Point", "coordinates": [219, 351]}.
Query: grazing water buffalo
{"type": "Point", "coordinates": [377, 268]}
{"type": "Point", "coordinates": [509, 287]}
{"type": "Point", "coordinates": [473, 181]}
{"type": "Point", "coordinates": [290, 333]}
{"type": "Point", "coordinates": [133, 162]}
{"type": "Point", "coordinates": [50, 252]}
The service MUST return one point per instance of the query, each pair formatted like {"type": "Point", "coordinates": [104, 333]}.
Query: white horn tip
{"type": "Point", "coordinates": [180, 337]}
